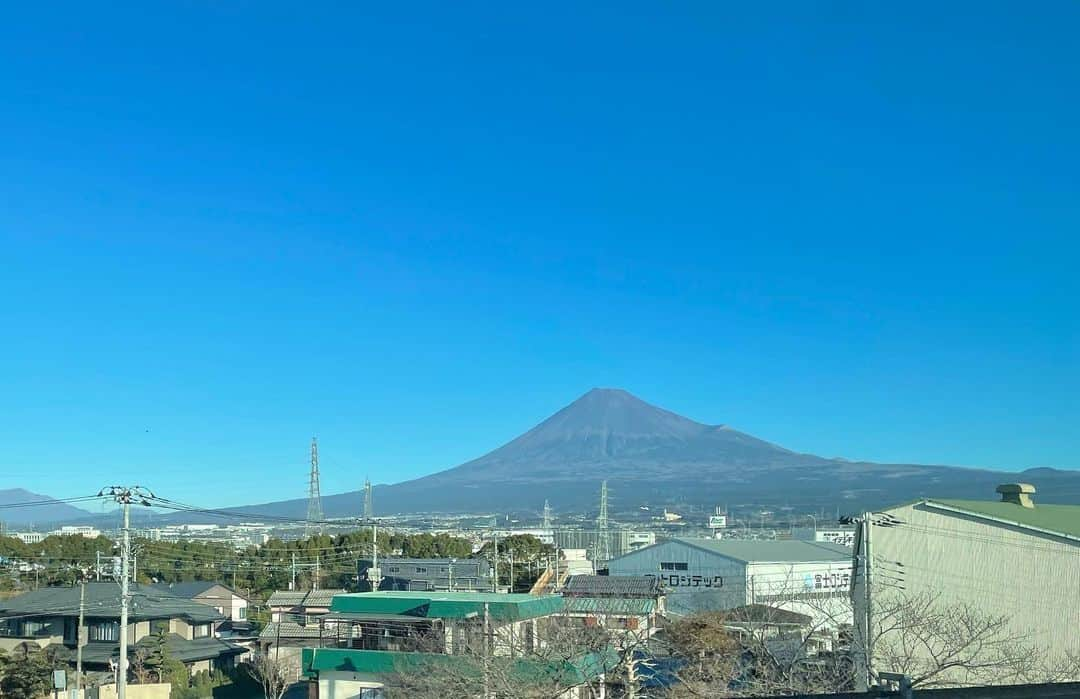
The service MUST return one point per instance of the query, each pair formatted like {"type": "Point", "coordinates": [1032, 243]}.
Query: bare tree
{"type": "Point", "coordinates": [273, 674]}
{"type": "Point", "coordinates": [936, 643]}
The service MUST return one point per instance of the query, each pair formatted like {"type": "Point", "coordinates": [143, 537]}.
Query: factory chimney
{"type": "Point", "coordinates": [1017, 494]}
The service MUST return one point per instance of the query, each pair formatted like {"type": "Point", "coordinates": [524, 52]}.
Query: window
{"type": "Point", "coordinates": [104, 631]}
{"type": "Point", "coordinates": [668, 565]}
{"type": "Point", "coordinates": [200, 631]}
{"type": "Point", "coordinates": [421, 570]}
{"type": "Point", "coordinates": [394, 569]}
{"type": "Point", "coordinates": [241, 613]}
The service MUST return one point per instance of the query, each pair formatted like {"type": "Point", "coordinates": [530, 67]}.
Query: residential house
{"type": "Point", "coordinates": [225, 600]}
{"type": "Point", "coordinates": [427, 574]}
{"type": "Point", "coordinates": [294, 616]}
{"type": "Point", "coordinates": [626, 603]}
{"type": "Point", "coordinates": [368, 637]}
{"type": "Point", "coordinates": [49, 618]}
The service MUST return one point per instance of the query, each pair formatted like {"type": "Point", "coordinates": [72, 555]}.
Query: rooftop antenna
{"type": "Point", "coordinates": [314, 507]}
{"type": "Point", "coordinates": [603, 552]}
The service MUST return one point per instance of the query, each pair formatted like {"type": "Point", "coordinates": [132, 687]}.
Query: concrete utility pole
{"type": "Point", "coordinates": [868, 525]}
{"type": "Point", "coordinates": [375, 575]}
{"type": "Point", "coordinates": [79, 639]}
{"type": "Point", "coordinates": [125, 496]}
{"type": "Point", "coordinates": [292, 584]}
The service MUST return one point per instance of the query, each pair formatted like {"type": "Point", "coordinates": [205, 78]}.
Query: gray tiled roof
{"type": "Point", "coordinates": [103, 601]}
{"type": "Point", "coordinates": [612, 586]}
{"type": "Point", "coordinates": [321, 598]}
{"type": "Point", "coordinates": [286, 598]}
{"type": "Point", "coordinates": [302, 598]}
{"type": "Point", "coordinates": [182, 649]}
{"type": "Point", "coordinates": [288, 629]}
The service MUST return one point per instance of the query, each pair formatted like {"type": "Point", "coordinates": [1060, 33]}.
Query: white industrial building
{"type": "Point", "coordinates": [806, 577]}
{"type": "Point", "coordinates": [1010, 558]}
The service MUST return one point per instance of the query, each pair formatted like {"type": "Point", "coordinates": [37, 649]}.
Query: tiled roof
{"type": "Point", "coordinates": [321, 598]}
{"type": "Point", "coordinates": [103, 601]}
{"type": "Point", "coordinates": [610, 605]}
{"type": "Point", "coordinates": [180, 648]}
{"type": "Point", "coordinates": [612, 586]}
{"type": "Point", "coordinates": [186, 589]}
{"type": "Point", "coordinates": [286, 598]}
{"type": "Point", "coordinates": [288, 629]}
{"type": "Point", "coordinates": [302, 598]}
{"type": "Point", "coordinates": [1064, 519]}
{"type": "Point", "coordinates": [764, 614]}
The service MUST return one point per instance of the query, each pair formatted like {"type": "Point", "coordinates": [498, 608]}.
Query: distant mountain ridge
{"type": "Point", "coordinates": [654, 457]}
{"type": "Point", "coordinates": [651, 456]}
{"type": "Point", "coordinates": [14, 512]}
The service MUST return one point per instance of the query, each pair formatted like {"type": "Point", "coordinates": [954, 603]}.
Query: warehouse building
{"type": "Point", "coordinates": [806, 577]}
{"type": "Point", "coordinates": [1011, 559]}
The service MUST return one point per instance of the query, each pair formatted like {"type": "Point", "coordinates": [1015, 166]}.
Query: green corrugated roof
{"type": "Point", "coordinates": [449, 605]}
{"type": "Point", "coordinates": [1064, 519]}
{"type": "Point", "coordinates": [376, 662]}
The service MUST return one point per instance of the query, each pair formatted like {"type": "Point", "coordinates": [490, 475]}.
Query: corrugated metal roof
{"type": "Point", "coordinates": [611, 586]}
{"type": "Point", "coordinates": [449, 605]}
{"type": "Point", "coordinates": [771, 551]}
{"type": "Point", "coordinates": [1055, 518]}
{"type": "Point", "coordinates": [576, 670]}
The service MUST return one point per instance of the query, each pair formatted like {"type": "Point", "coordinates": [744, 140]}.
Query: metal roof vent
{"type": "Point", "coordinates": [1017, 494]}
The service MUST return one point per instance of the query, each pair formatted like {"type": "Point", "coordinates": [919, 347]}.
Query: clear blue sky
{"type": "Point", "coordinates": [849, 229]}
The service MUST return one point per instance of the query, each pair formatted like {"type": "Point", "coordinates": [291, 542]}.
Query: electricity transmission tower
{"type": "Point", "coordinates": [314, 507]}
{"type": "Point", "coordinates": [603, 542]}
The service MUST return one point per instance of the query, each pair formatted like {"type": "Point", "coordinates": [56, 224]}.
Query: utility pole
{"type": "Point", "coordinates": [97, 568]}
{"type": "Point", "coordinates": [292, 584]}
{"type": "Point", "coordinates": [495, 578]}
{"type": "Point", "coordinates": [868, 525]}
{"type": "Point", "coordinates": [375, 575]}
{"type": "Point", "coordinates": [79, 638]}
{"type": "Point", "coordinates": [488, 649]}
{"type": "Point", "coordinates": [315, 582]}
{"type": "Point", "coordinates": [602, 552]}
{"type": "Point", "coordinates": [125, 496]}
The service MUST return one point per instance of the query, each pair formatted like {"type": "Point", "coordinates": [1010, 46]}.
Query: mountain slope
{"type": "Point", "coordinates": [653, 456]}
{"type": "Point", "coordinates": [13, 513]}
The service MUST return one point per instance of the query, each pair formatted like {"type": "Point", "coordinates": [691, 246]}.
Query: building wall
{"type": "Point", "coordinates": [819, 590]}
{"type": "Point", "coordinates": [997, 568]}
{"type": "Point", "coordinates": [180, 627]}
{"type": "Point", "coordinates": [348, 685]}
{"type": "Point", "coordinates": [709, 581]}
